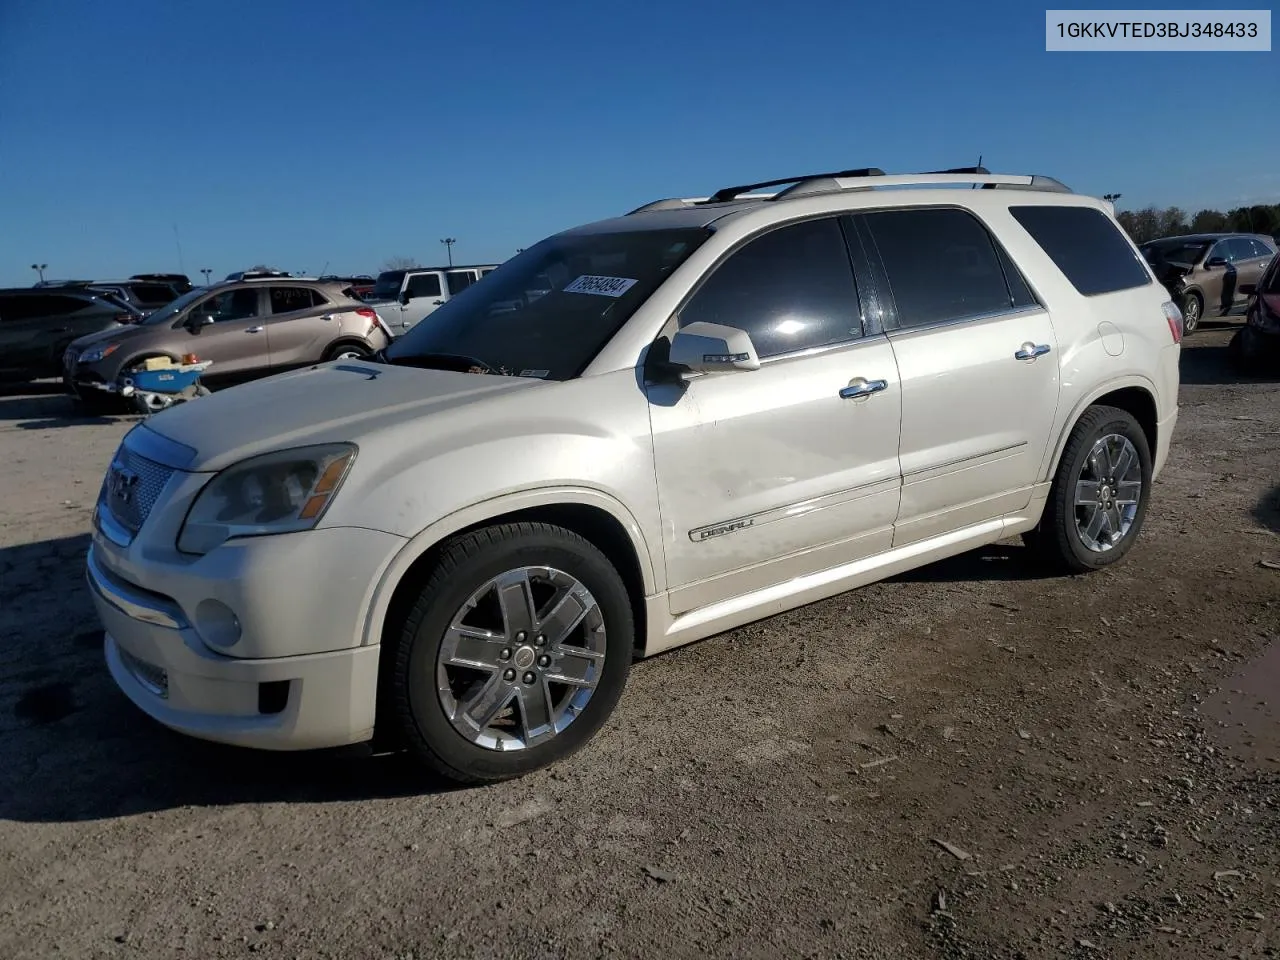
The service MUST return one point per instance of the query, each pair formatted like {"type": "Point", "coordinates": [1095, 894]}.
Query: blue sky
{"type": "Point", "coordinates": [306, 134]}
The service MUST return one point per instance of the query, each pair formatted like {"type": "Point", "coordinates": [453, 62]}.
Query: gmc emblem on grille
{"type": "Point", "coordinates": [121, 484]}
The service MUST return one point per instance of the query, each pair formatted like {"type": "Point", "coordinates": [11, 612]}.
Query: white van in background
{"type": "Point", "coordinates": [403, 297]}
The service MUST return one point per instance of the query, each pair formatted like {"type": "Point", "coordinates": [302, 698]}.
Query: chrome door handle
{"type": "Point", "coordinates": [437, 303]}
{"type": "Point", "coordinates": [862, 388]}
{"type": "Point", "coordinates": [1030, 351]}
{"type": "Point", "coordinates": [254, 330]}
{"type": "Point", "coordinates": [327, 316]}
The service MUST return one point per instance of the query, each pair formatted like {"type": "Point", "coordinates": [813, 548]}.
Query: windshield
{"type": "Point", "coordinates": [549, 310]}
{"type": "Point", "coordinates": [387, 286]}
{"type": "Point", "coordinates": [1177, 251]}
{"type": "Point", "coordinates": [167, 313]}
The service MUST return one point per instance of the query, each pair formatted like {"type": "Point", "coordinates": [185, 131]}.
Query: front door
{"type": "Point", "coordinates": [979, 366]}
{"type": "Point", "coordinates": [424, 292]}
{"type": "Point", "coordinates": [1251, 259]}
{"type": "Point", "coordinates": [775, 473]}
{"type": "Point", "coordinates": [228, 328]}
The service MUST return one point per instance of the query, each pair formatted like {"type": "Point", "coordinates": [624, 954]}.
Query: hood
{"type": "Point", "coordinates": [332, 402]}
{"type": "Point", "coordinates": [117, 332]}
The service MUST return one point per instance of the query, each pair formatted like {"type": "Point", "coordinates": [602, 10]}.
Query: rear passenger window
{"type": "Point", "coordinates": [424, 285]}
{"type": "Point", "coordinates": [459, 280]}
{"type": "Point", "coordinates": [289, 299]}
{"type": "Point", "coordinates": [790, 289]}
{"type": "Point", "coordinates": [1260, 249]}
{"type": "Point", "coordinates": [1087, 247]}
{"type": "Point", "coordinates": [942, 265]}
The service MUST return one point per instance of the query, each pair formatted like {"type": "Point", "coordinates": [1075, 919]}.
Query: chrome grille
{"type": "Point", "coordinates": [132, 487]}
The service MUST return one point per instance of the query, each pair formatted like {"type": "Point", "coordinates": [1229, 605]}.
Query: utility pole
{"type": "Point", "coordinates": [448, 245]}
{"type": "Point", "coordinates": [40, 268]}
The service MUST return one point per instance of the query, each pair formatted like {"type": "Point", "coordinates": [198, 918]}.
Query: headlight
{"type": "Point", "coordinates": [275, 493]}
{"type": "Point", "coordinates": [94, 354]}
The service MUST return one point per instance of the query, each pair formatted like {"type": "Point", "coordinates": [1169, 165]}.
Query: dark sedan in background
{"type": "Point", "coordinates": [1256, 346]}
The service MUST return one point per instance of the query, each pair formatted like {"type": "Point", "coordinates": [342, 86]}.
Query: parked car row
{"type": "Point", "coordinates": [634, 434]}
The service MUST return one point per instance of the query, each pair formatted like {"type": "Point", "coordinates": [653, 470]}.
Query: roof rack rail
{"type": "Point", "coordinates": [867, 178]}
{"type": "Point", "coordinates": [732, 193]}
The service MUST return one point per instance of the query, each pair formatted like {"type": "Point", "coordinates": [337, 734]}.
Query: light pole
{"type": "Point", "coordinates": [448, 245]}
{"type": "Point", "coordinates": [40, 268]}
{"type": "Point", "coordinates": [1111, 197]}
{"type": "Point", "coordinates": [206, 271]}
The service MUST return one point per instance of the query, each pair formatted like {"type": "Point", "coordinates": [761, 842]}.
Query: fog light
{"type": "Point", "coordinates": [273, 696]}
{"type": "Point", "coordinates": [217, 623]}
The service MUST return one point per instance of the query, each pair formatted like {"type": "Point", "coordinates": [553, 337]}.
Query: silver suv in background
{"type": "Point", "coordinates": [404, 297]}
{"type": "Point", "coordinates": [714, 410]}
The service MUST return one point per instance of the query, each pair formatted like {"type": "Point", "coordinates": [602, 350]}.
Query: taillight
{"type": "Point", "coordinates": [370, 314]}
{"type": "Point", "coordinates": [1174, 318]}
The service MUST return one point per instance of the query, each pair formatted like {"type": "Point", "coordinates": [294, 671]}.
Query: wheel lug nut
{"type": "Point", "coordinates": [520, 637]}
{"type": "Point", "coordinates": [509, 675]}
{"type": "Point", "coordinates": [529, 677]}
{"type": "Point", "coordinates": [544, 660]}
{"type": "Point", "coordinates": [541, 640]}
{"type": "Point", "coordinates": [505, 654]}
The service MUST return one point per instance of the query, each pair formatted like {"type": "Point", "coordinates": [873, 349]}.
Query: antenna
{"type": "Point", "coordinates": [178, 243]}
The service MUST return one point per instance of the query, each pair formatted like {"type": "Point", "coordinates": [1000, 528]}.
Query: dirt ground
{"type": "Point", "coordinates": [967, 761]}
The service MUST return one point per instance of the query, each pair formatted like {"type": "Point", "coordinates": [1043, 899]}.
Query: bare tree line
{"type": "Point", "coordinates": [1151, 223]}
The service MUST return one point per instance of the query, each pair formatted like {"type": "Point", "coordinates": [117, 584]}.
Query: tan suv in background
{"type": "Point", "coordinates": [1205, 273]}
{"type": "Point", "coordinates": [248, 328]}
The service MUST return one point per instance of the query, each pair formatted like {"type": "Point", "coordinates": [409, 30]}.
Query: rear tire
{"type": "Point", "coordinates": [502, 713]}
{"type": "Point", "coordinates": [347, 351]}
{"type": "Point", "coordinates": [1091, 519]}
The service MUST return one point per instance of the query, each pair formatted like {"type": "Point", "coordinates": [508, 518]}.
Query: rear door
{"type": "Point", "coordinates": [978, 360]}
{"type": "Point", "coordinates": [231, 332]}
{"type": "Point", "coordinates": [301, 323]}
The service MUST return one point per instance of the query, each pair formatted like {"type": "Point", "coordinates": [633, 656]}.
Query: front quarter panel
{"type": "Point", "coordinates": [505, 452]}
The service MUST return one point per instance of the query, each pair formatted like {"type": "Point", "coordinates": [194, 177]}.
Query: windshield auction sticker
{"type": "Point", "coordinates": [601, 286]}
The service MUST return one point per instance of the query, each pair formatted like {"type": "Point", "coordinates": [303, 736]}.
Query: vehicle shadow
{"type": "Point", "coordinates": [73, 748]}
{"type": "Point", "coordinates": [1267, 512]}
{"type": "Point", "coordinates": [998, 561]}
{"type": "Point", "coordinates": [1211, 366]}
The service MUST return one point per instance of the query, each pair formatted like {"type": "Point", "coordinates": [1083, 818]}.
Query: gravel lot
{"type": "Point", "coordinates": [967, 761]}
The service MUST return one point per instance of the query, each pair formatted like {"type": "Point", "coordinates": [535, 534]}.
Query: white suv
{"type": "Point", "coordinates": [713, 410]}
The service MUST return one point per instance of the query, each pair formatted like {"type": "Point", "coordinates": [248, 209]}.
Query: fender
{"type": "Point", "coordinates": [483, 510]}
{"type": "Point", "coordinates": [1119, 383]}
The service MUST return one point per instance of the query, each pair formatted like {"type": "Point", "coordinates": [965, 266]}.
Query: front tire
{"type": "Point", "coordinates": [1098, 499]}
{"type": "Point", "coordinates": [1192, 307]}
{"type": "Point", "coordinates": [514, 655]}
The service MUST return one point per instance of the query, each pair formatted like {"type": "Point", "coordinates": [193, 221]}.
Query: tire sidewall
{"type": "Point", "coordinates": [421, 713]}
{"type": "Point", "coordinates": [1117, 422]}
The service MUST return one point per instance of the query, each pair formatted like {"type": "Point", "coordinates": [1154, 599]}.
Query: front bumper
{"type": "Point", "coordinates": [287, 703]}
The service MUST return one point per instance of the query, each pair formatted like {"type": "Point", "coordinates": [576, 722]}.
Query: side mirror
{"type": "Point", "coordinates": [713, 348]}
{"type": "Point", "coordinates": [197, 320]}
{"type": "Point", "coordinates": [1248, 289]}
{"type": "Point", "coordinates": [1216, 262]}
{"type": "Point", "coordinates": [405, 297]}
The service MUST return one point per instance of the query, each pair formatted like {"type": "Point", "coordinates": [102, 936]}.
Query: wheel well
{"type": "Point", "coordinates": [591, 523]}
{"type": "Point", "coordinates": [1140, 404]}
{"type": "Point", "coordinates": [345, 342]}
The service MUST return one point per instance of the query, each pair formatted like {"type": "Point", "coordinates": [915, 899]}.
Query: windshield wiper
{"type": "Point", "coordinates": [458, 362]}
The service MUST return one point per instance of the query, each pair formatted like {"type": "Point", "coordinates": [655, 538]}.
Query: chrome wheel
{"type": "Point", "coordinates": [1107, 493]}
{"type": "Point", "coordinates": [521, 658]}
{"type": "Point", "coordinates": [1190, 314]}
{"type": "Point", "coordinates": [349, 355]}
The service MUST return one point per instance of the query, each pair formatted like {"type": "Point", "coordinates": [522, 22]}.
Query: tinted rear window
{"type": "Point", "coordinates": [1087, 247]}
